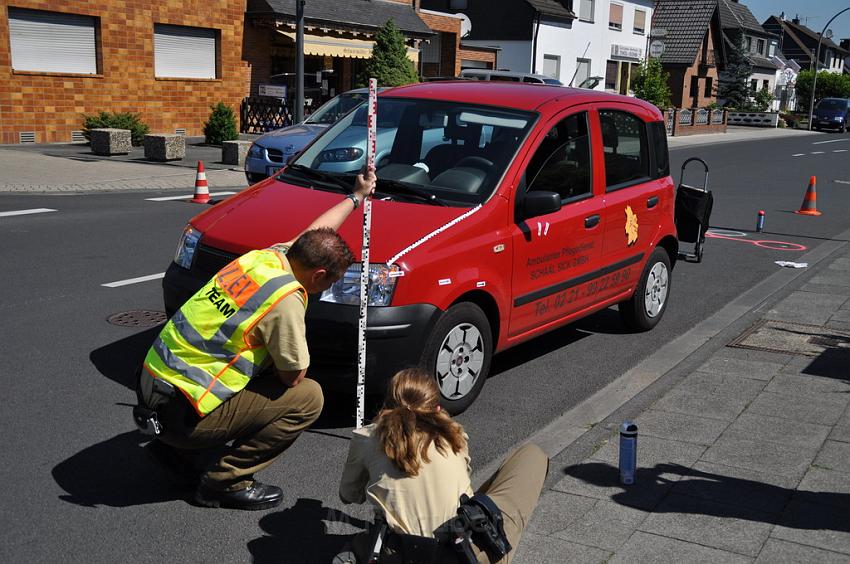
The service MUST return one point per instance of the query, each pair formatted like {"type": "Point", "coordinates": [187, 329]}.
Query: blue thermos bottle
{"type": "Point", "coordinates": [628, 452]}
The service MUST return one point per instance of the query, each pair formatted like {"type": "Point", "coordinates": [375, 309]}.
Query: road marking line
{"type": "Point", "coordinates": [134, 280]}
{"type": "Point", "coordinates": [817, 152]}
{"type": "Point", "coordinates": [799, 155]}
{"type": "Point", "coordinates": [830, 141]}
{"type": "Point", "coordinates": [187, 197]}
{"type": "Point", "coordinates": [26, 212]}
{"type": "Point", "coordinates": [840, 151]}
{"type": "Point", "coordinates": [843, 181]}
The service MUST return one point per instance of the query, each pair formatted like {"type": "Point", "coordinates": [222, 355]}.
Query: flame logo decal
{"type": "Point", "coordinates": [631, 226]}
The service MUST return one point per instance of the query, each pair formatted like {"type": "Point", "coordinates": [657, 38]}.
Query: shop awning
{"type": "Point", "coordinates": [340, 47]}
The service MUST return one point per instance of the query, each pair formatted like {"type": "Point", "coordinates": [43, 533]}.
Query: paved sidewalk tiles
{"type": "Point", "coordinates": [746, 459]}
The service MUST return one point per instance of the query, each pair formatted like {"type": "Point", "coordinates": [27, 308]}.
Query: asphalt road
{"type": "Point", "coordinates": [76, 485]}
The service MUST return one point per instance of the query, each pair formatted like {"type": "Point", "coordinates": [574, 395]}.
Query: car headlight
{"type": "Point", "coordinates": [340, 155]}
{"type": "Point", "coordinates": [186, 247]}
{"type": "Point", "coordinates": [346, 290]}
{"type": "Point", "coordinates": [839, 118]}
{"type": "Point", "coordinates": [255, 151]}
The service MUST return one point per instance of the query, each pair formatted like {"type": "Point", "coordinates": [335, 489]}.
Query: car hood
{"type": "Point", "coordinates": [298, 135]}
{"type": "Point", "coordinates": [273, 212]}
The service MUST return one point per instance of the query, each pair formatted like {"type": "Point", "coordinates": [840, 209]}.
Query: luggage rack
{"type": "Point", "coordinates": [693, 211]}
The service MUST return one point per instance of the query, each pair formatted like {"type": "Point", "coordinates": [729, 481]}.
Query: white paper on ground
{"type": "Point", "coordinates": [790, 264]}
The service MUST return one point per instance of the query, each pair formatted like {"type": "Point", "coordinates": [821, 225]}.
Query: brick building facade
{"type": "Point", "coordinates": [51, 104]}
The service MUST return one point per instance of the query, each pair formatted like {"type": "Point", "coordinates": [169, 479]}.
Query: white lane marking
{"type": "Point", "coordinates": [187, 197]}
{"type": "Point", "coordinates": [134, 280]}
{"type": "Point", "coordinates": [817, 152]}
{"type": "Point", "coordinates": [26, 212]}
{"type": "Point", "coordinates": [799, 155]}
{"type": "Point", "coordinates": [840, 151]}
{"type": "Point", "coordinates": [830, 141]}
{"type": "Point", "coordinates": [843, 181]}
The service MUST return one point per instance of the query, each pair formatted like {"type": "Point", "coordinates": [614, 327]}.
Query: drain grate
{"type": "Point", "coordinates": [791, 338]}
{"type": "Point", "coordinates": [137, 318]}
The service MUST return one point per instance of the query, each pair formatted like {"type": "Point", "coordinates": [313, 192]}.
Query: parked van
{"type": "Point", "coordinates": [502, 211]}
{"type": "Point", "coordinates": [509, 76]}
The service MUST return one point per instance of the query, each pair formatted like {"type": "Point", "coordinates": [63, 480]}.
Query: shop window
{"type": "Point", "coordinates": [585, 13]}
{"type": "Point", "coordinates": [615, 16]}
{"type": "Point", "coordinates": [612, 70]}
{"type": "Point", "coordinates": [640, 22]}
{"type": "Point", "coordinates": [626, 148]}
{"type": "Point", "coordinates": [562, 161]}
{"type": "Point", "coordinates": [53, 42]}
{"type": "Point", "coordinates": [185, 52]}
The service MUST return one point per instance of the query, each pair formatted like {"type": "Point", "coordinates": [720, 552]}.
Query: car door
{"type": "Point", "coordinates": [632, 196]}
{"type": "Point", "coordinates": [555, 253]}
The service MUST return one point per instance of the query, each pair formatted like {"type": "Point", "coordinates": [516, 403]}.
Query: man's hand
{"type": "Point", "coordinates": [291, 378]}
{"type": "Point", "coordinates": [364, 186]}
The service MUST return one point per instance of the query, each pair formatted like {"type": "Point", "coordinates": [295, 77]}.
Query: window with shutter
{"type": "Point", "coordinates": [615, 16]}
{"type": "Point", "coordinates": [586, 11]}
{"type": "Point", "coordinates": [184, 52]}
{"type": "Point", "coordinates": [53, 42]}
{"type": "Point", "coordinates": [640, 22]}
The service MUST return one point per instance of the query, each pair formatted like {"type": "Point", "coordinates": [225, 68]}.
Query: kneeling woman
{"type": "Point", "coordinates": [412, 463]}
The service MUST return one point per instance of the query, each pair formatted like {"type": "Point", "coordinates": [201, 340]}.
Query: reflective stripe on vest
{"type": "Point", "coordinates": [204, 350]}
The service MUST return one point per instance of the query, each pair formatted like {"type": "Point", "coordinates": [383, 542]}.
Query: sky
{"type": "Point", "coordinates": [818, 13]}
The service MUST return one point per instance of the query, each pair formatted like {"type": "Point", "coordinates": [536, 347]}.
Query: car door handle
{"type": "Point", "coordinates": [652, 201]}
{"type": "Point", "coordinates": [591, 221]}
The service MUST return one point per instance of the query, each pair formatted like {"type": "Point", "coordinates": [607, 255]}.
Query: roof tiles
{"type": "Point", "coordinates": [686, 22]}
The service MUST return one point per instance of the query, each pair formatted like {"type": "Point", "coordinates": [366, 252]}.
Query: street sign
{"type": "Point", "coordinates": [275, 90]}
{"type": "Point", "coordinates": [656, 48]}
{"type": "Point", "coordinates": [658, 32]}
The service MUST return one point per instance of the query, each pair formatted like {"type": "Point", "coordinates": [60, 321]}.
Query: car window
{"type": "Point", "coordinates": [625, 147]}
{"type": "Point", "coordinates": [337, 107]}
{"type": "Point", "coordinates": [659, 149]}
{"type": "Point", "coordinates": [562, 161]}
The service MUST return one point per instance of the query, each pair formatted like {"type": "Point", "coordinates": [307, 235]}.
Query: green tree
{"type": "Point", "coordinates": [221, 126]}
{"type": "Point", "coordinates": [830, 85]}
{"type": "Point", "coordinates": [732, 85]}
{"type": "Point", "coordinates": [651, 83]}
{"type": "Point", "coordinates": [389, 63]}
{"type": "Point", "coordinates": [763, 100]}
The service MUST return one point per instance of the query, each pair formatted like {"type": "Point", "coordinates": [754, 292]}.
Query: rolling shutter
{"type": "Point", "coordinates": [52, 42]}
{"type": "Point", "coordinates": [184, 52]}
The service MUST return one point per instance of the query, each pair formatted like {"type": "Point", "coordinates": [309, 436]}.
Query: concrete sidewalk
{"type": "Point", "coordinates": [746, 458]}
{"type": "Point", "coordinates": [736, 133]}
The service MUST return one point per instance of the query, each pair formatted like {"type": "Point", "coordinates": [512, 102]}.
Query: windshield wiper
{"type": "Point", "coordinates": [388, 186]}
{"type": "Point", "coordinates": [325, 177]}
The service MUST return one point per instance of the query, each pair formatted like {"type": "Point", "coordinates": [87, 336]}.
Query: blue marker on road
{"type": "Point", "coordinates": [628, 452]}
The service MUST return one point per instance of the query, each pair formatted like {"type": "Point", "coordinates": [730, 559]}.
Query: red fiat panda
{"type": "Point", "coordinates": [502, 211]}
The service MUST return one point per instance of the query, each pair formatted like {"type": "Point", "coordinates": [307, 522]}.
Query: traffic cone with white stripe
{"type": "Point", "coordinates": [810, 200]}
{"type": "Point", "coordinates": [202, 189]}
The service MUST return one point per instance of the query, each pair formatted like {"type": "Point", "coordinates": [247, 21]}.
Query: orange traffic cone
{"type": "Point", "coordinates": [202, 189]}
{"type": "Point", "coordinates": [809, 206]}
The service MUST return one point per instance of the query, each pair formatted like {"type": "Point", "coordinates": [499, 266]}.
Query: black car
{"type": "Point", "coordinates": [831, 113]}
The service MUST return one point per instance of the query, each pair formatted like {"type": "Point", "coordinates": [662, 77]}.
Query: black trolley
{"type": "Point", "coordinates": [693, 210]}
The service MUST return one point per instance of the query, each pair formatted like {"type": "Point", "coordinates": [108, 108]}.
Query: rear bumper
{"type": "Point", "coordinates": [395, 336]}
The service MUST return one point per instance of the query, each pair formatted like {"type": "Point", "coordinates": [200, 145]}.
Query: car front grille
{"type": "Point", "coordinates": [208, 261]}
{"type": "Point", "coordinates": [275, 155]}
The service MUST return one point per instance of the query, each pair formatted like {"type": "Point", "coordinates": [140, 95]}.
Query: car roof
{"type": "Point", "coordinates": [517, 95]}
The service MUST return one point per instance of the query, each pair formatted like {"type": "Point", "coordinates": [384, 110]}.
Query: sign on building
{"type": "Point", "coordinates": [626, 52]}
{"type": "Point", "coordinates": [273, 90]}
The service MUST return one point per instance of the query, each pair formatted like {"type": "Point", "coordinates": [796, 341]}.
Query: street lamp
{"type": "Point", "coordinates": [817, 63]}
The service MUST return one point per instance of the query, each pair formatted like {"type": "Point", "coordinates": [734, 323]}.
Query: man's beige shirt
{"type": "Point", "coordinates": [415, 505]}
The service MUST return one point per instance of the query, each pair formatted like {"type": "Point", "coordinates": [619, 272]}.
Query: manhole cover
{"type": "Point", "coordinates": [792, 338]}
{"type": "Point", "coordinates": [137, 318]}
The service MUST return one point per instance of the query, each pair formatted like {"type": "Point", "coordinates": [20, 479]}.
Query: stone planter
{"type": "Point", "coordinates": [234, 152]}
{"type": "Point", "coordinates": [165, 147]}
{"type": "Point", "coordinates": [755, 119]}
{"type": "Point", "coordinates": [110, 141]}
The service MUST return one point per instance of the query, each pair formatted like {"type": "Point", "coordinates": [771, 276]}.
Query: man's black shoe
{"type": "Point", "coordinates": [254, 497]}
{"type": "Point", "coordinates": [181, 469]}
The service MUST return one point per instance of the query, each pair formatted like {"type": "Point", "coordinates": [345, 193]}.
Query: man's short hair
{"type": "Point", "coordinates": [322, 248]}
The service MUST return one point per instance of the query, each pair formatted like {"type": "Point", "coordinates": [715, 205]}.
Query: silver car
{"type": "Point", "coordinates": [271, 151]}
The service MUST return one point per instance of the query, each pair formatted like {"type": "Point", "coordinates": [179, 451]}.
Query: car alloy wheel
{"type": "Point", "coordinates": [460, 360]}
{"type": "Point", "coordinates": [656, 289]}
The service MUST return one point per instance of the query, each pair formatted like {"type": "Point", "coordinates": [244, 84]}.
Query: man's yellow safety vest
{"type": "Point", "coordinates": [204, 349]}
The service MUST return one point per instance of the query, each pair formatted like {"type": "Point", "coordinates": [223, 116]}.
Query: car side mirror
{"type": "Point", "coordinates": [541, 202]}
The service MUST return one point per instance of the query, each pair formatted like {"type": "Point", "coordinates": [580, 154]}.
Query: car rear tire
{"type": "Point", "coordinates": [458, 352]}
{"type": "Point", "coordinates": [644, 309]}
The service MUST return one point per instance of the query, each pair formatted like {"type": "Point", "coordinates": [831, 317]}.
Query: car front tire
{"type": "Point", "coordinates": [647, 305]}
{"type": "Point", "coordinates": [459, 352]}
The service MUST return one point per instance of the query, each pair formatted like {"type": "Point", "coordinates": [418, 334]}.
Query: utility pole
{"type": "Point", "coordinates": [299, 60]}
{"type": "Point", "coordinates": [817, 64]}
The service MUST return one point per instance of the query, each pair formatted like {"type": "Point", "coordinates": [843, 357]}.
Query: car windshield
{"type": "Point", "coordinates": [832, 104]}
{"type": "Point", "coordinates": [335, 108]}
{"type": "Point", "coordinates": [428, 151]}
{"type": "Point", "coordinates": [553, 81]}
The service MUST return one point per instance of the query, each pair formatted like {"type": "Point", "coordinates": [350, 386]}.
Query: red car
{"type": "Point", "coordinates": [502, 212]}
